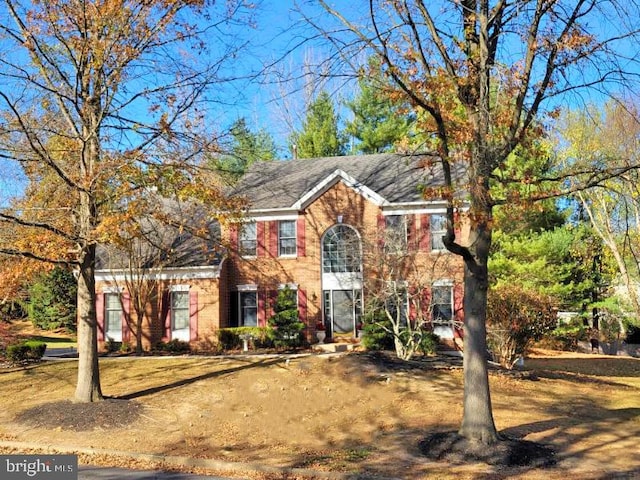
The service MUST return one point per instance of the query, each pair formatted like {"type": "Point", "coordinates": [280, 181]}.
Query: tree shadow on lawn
{"type": "Point", "coordinates": [197, 378]}
{"type": "Point", "coordinates": [113, 412]}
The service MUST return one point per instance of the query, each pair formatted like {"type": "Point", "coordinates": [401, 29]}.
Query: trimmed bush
{"type": "Point", "coordinates": [229, 338]}
{"type": "Point", "coordinates": [24, 352]}
{"type": "Point", "coordinates": [173, 346]}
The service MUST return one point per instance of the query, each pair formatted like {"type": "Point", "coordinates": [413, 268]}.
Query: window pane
{"type": "Point", "coordinates": [112, 301]}
{"type": "Point", "coordinates": [179, 300]}
{"type": "Point", "coordinates": [180, 319]}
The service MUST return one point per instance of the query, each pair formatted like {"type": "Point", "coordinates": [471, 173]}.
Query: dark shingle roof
{"type": "Point", "coordinates": [394, 177]}
{"type": "Point", "coordinates": [170, 243]}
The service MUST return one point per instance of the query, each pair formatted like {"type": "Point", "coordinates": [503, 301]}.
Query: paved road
{"type": "Point", "coordinates": [106, 473]}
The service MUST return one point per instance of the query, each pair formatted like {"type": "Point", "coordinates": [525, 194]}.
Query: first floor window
{"type": "Point", "coordinates": [287, 238]}
{"type": "Point", "coordinates": [180, 310]}
{"type": "Point", "coordinates": [442, 304]}
{"type": "Point", "coordinates": [113, 316]}
{"type": "Point", "coordinates": [248, 309]}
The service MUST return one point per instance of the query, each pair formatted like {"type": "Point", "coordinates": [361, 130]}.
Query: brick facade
{"type": "Point", "coordinates": [288, 250]}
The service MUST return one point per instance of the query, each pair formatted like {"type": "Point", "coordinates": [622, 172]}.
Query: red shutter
{"type": "Point", "coordinates": [233, 237]}
{"type": "Point", "coordinates": [301, 236]}
{"type": "Point", "coordinates": [100, 316]}
{"type": "Point", "coordinates": [260, 239]}
{"type": "Point", "coordinates": [273, 238]}
{"type": "Point", "coordinates": [382, 224]}
{"type": "Point", "coordinates": [302, 305]}
{"type": "Point", "coordinates": [425, 240]}
{"type": "Point", "coordinates": [426, 305]}
{"type": "Point", "coordinates": [165, 316]}
{"type": "Point", "coordinates": [456, 226]}
{"type": "Point", "coordinates": [458, 308]}
{"type": "Point", "coordinates": [126, 316]}
{"type": "Point", "coordinates": [193, 315]}
{"type": "Point", "coordinates": [411, 232]}
{"type": "Point", "coordinates": [262, 308]}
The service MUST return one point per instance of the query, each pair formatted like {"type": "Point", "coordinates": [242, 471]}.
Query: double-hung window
{"type": "Point", "coordinates": [395, 233]}
{"type": "Point", "coordinates": [248, 309]}
{"type": "Point", "coordinates": [113, 317]}
{"type": "Point", "coordinates": [438, 228]}
{"type": "Point", "coordinates": [442, 304]}
{"type": "Point", "coordinates": [248, 240]}
{"type": "Point", "coordinates": [287, 238]}
{"type": "Point", "coordinates": [180, 311]}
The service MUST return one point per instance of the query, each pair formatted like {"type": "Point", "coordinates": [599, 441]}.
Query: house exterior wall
{"type": "Point", "coordinates": [214, 294]}
{"type": "Point", "coordinates": [208, 302]}
{"type": "Point", "coordinates": [339, 204]}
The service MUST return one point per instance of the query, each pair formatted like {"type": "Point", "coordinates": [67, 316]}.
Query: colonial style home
{"type": "Point", "coordinates": [337, 231]}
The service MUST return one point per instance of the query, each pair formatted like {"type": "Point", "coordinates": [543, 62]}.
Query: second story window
{"type": "Point", "coordinates": [438, 228]}
{"type": "Point", "coordinates": [248, 240]}
{"type": "Point", "coordinates": [287, 238]}
{"type": "Point", "coordinates": [395, 233]}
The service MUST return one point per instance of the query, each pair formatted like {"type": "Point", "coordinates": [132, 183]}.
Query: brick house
{"type": "Point", "coordinates": [330, 229]}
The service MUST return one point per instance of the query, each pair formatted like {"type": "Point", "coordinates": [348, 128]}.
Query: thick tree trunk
{"type": "Point", "coordinates": [477, 421]}
{"type": "Point", "coordinates": [88, 386]}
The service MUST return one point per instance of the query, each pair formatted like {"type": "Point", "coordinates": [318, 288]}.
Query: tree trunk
{"type": "Point", "coordinates": [88, 386]}
{"type": "Point", "coordinates": [477, 420]}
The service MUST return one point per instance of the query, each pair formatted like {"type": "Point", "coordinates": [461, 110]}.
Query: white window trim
{"type": "Point", "coordinates": [251, 287]}
{"type": "Point", "coordinates": [179, 288]}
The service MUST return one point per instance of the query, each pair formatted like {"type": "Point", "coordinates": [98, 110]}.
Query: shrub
{"type": "Point", "coordinates": [229, 338]}
{"type": "Point", "coordinates": [172, 346]}
{"type": "Point", "coordinates": [516, 317]}
{"type": "Point", "coordinates": [29, 351]}
{"type": "Point", "coordinates": [428, 343]}
{"type": "Point", "coordinates": [378, 336]}
{"type": "Point", "coordinates": [286, 327]}
{"type": "Point", "coordinates": [377, 333]}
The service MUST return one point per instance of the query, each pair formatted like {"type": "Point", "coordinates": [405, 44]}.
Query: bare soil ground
{"type": "Point", "coordinates": [362, 414]}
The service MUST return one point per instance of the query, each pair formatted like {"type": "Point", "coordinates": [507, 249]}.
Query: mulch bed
{"type": "Point", "coordinates": [109, 413]}
{"type": "Point", "coordinates": [507, 452]}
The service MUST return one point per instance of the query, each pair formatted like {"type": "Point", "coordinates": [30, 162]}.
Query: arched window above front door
{"type": "Point", "coordinates": [341, 250]}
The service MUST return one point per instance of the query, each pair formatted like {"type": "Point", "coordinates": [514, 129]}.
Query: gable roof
{"type": "Point", "coordinates": [170, 243]}
{"type": "Point", "coordinates": [384, 178]}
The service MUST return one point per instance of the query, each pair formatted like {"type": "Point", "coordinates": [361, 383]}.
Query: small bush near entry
{"type": "Point", "coordinates": [29, 351]}
{"type": "Point", "coordinates": [229, 338]}
{"type": "Point", "coordinates": [286, 327]}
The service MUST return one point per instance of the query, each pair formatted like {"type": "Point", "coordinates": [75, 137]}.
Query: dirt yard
{"type": "Point", "coordinates": [354, 413]}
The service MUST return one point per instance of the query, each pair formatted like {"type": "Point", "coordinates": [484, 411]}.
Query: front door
{"type": "Point", "coordinates": [342, 310]}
